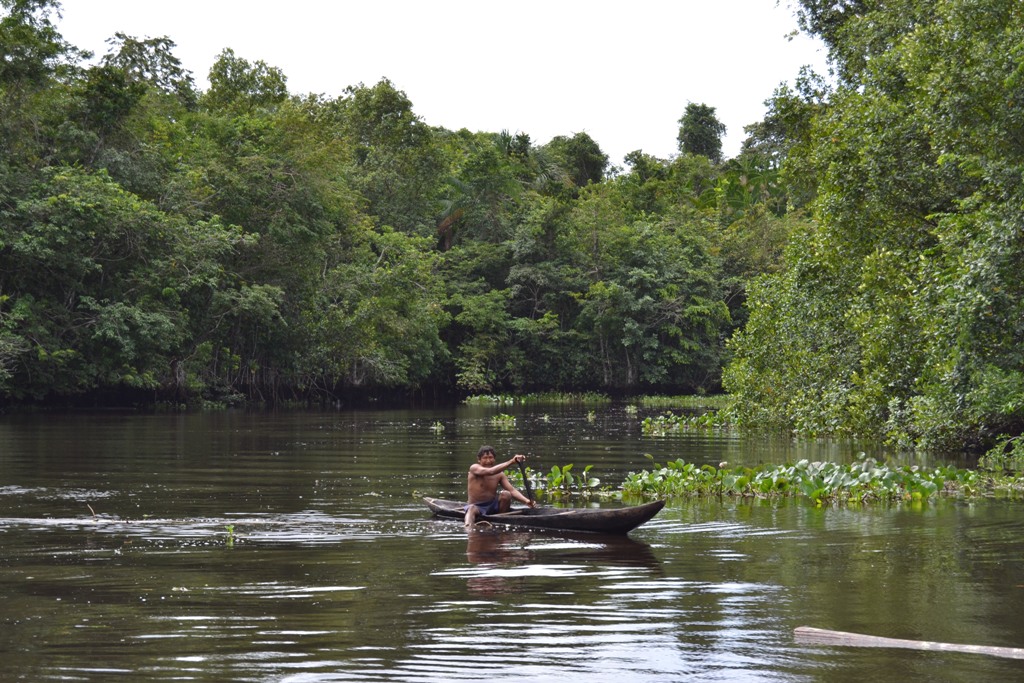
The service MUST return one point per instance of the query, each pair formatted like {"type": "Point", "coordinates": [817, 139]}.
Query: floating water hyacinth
{"type": "Point", "coordinates": [670, 423]}
{"type": "Point", "coordinates": [553, 397]}
{"type": "Point", "coordinates": [866, 480]}
{"type": "Point", "coordinates": [503, 421]}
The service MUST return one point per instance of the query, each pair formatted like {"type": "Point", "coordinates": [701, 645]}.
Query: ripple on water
{"type": "Point", "coordinates": [333, 570]}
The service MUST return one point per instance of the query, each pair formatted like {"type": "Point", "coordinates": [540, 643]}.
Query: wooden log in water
{"type": "Point", "coordinates": [819, 636]}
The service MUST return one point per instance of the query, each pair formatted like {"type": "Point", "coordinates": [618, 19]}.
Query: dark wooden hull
{"type": "Point", "coordinates": [596, 520]}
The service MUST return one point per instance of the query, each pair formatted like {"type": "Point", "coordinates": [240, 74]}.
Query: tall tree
{"type": "Point", "coordinates": [152, 60]}
{"type": "Point", "coordinates": [399, 166]}
{"type": "Point", "coordinates": [700, 132]}
{"type": "Point", "coordinates": [31, 48]}
{"type": "Point", "coordinates": [582, 158]}
{"type": "Point", "coordinates": [237, 83]}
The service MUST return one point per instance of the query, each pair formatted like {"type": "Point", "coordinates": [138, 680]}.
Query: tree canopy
{"type": "Point", "coordinates": [249, 243]}
{"type": "Point", "coordinates": [898, 311]}
{"type": "Point", "coordinates": [853, 270]}
{"type": "Point", "coordinates": [700, 132]}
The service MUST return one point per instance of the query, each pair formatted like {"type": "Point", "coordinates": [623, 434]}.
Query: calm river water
{"type": "Point", "coordinates": [294, 546]}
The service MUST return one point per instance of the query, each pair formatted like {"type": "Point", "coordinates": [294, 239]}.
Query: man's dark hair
{"type": "Point", "coordinates": [484, 450]}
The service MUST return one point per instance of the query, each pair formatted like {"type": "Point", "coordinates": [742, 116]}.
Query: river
{"type": "Point", "coordinates": [293, 546]}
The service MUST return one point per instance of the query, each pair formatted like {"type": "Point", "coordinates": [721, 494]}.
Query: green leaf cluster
{"type": "Point", "coordinates": [897, 313]}
{"type": "Point", "coordinates": [560, 481]}
{"type": "Point", "coordinates": [863, 481]}
{"type": "Point", "coordinates": [671, 423]}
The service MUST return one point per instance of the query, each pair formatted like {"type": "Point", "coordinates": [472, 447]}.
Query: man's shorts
{"type": "Point", "coordinates": [489, 508]}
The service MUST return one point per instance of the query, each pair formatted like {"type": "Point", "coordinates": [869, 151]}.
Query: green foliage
{"type": "Point", "coordinates": [489, 399]}
{"type": "Point", "coordinates": [503, 421]}
{"type": "Point", "coordinates": [548, 397]}
{"type": "Point", "coordinates": [244, 243]}
{"type": "Point", "coordinates": [581, 157]}
{"type": "Point", "coordinates": [862, 252]}
{"type": "Point", "coordinates": [481, 356]}
{"type": "Point", "coordinates": [898, 313]}
{"type": "Point", "coordinates": [699, 401]}
{"type": "Point", "coordinates": [674, 479]}
{"type": "Point", "coordinates": [397, 164]}
{"type": "Point", "coordinates": [652, 305]}
{"type": "Point", "coordinates": [670, 423]}
{"type": "Point", "coordinates": [237, 84]}
{"type": "Point", "coordinates": [700, 132]}
{"type": "Point", "coordinates": [86, 264]}
{"type": "Point", "coordinates": [152, 61]}
{"type": "Point", "coordinates": [561, 481]}
{"type": "Point", "coordinates": [820, 482]}
{"type": "Point", "coordinates": [375, 319]}
{"type": "Point", "coordinates": [1006, 456]}
{"type": "Point", "coordinates": [30, 45]}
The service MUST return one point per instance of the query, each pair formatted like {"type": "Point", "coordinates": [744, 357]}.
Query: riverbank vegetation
{"type": "Point", "coordinates": [898, 312]}
{"type": "Point", "coordinates": [546, 397]}
{"type": "Point", "coordinates": [825, 483]}
{"type": "Point", "coordinates": [865, 481]}
{"type": "Point", "coordinates": [854, 270]}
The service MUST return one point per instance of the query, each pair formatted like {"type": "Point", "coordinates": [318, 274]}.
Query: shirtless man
{"type": "Point", "coordinates": [482, 486]}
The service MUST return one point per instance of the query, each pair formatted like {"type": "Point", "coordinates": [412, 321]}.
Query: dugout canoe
{"type": "Point", "coordinates": [597, 520]}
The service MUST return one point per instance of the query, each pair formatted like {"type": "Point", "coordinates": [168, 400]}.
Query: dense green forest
{"type": "Point", "coordinates": [900, 309]}
{"type": "Point", "coordinates": [248, 243]}
{"type": "Point", "coordinates": [853, 270]}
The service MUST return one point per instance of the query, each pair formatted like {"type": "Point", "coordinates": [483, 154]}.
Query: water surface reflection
{"type": "Point", "coordinates": [295, 547]}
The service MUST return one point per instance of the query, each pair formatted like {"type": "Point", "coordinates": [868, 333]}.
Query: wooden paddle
{"type": "Point", "coordinates": [526, 481]}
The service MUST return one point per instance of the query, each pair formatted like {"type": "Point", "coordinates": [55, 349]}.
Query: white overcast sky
{"type": "Point", "coordinates": [622, 71]}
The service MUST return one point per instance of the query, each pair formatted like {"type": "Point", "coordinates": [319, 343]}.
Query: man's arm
{"type": "Point", "coordinates": [507, 485]}
{"type": "Point", "coordinates": [481, 471]}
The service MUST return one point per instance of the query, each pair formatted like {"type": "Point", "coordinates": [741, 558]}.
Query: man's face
{"type": "Point", "coordinates": [487, 459]}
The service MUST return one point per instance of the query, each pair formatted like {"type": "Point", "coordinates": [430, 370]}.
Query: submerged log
{"type": "Point", "coordinates": [819, 636]}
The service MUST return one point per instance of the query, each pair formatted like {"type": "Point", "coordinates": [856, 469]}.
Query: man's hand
{"type": "Point", "coordinates": [519, 457]}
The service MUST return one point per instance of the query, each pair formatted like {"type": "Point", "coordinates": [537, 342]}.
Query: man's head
{"type": "Point", "coordinates": [484, 452]}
